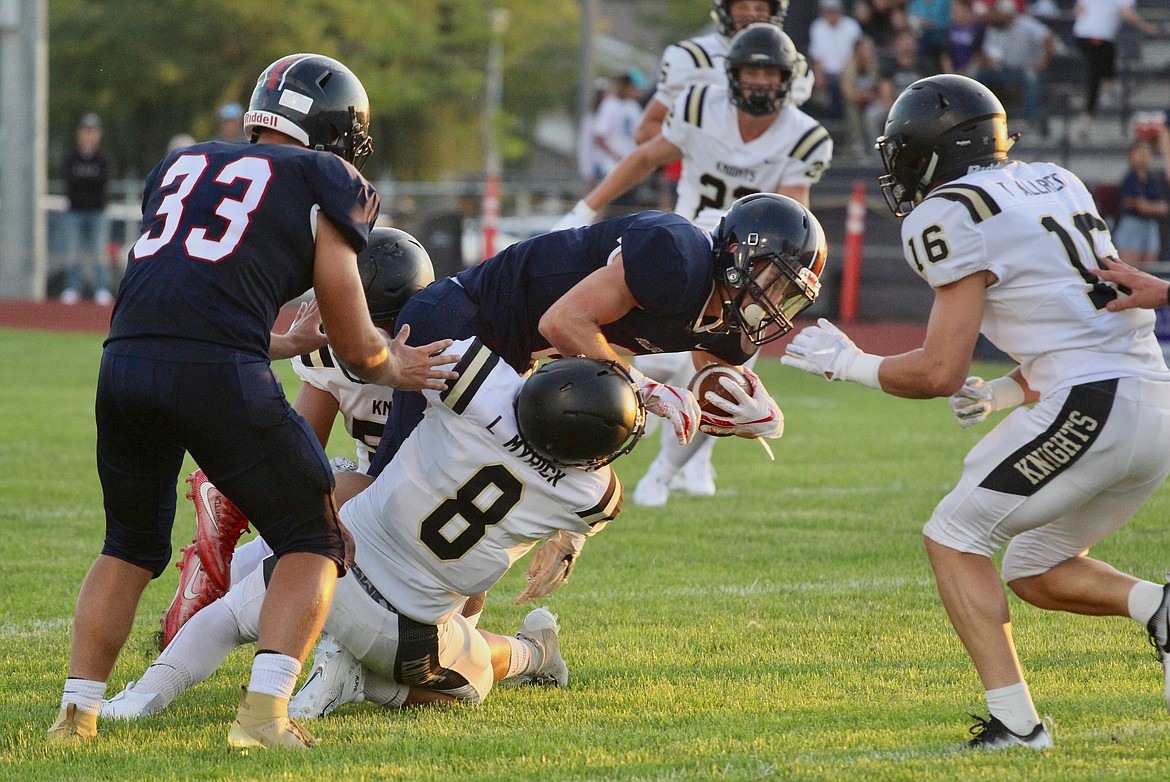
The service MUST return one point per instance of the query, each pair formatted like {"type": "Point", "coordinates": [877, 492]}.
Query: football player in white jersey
{"type": "Point", "coordinates": [498, 464]}
{"type": "Point", "coordinates": [1008, 247]}
{"type": "Point", "coordinates": [698, 61]}
{"type": "Point", "coordinates": [735, 138]}
{"type": "Point", "coordinates": [393, 267]}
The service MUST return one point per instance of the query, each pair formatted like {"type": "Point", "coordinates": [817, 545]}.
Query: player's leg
{"type": "Point", "coordinates": [198, 649]}
{"type": "Point", "coordinates": [267, 460]}
{"type": "Point", "coordinates": [138, 466]}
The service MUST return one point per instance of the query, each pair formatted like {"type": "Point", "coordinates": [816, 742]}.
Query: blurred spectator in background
{"type": "Point", "coordinates": [1095, 29]}
{"type": "Point", "coordinates": [178, 141]}
{"type": "Point", "coordinates": [964, 38]}
{"type": "Point", "coordinates": [587, 163]}
{"type": "Point", "coordinates": [86, 225]}
{"type": "Point", "coordinates": [863, 109]}
{"type": "Point", "coordinates": [617, 118]}
{"type": "Point", "coordinates": [231, 123]}
{"type": "Point", "coordinates": [881, 19]}
{"type": "Point", "coordinates": [1017, 48]}
{"type": "Point", "coordinates": [831, 40]}
{"type": "Point", "coordinates": [930, 20]}
{"type": "Point", "coordinates": [1137, 236]}
{"type": "Point", "coordinates": [899, 70]}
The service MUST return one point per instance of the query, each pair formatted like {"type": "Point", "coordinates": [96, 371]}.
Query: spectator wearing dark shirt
{"type": "Point", "coordinates": [1143, 204]}
{"type": "Point", "coordinates": [86, 227]}
{"type": "Point", "coordinates": [964, 38]}
{"type": "Point", "coordinates": [881, 20]}
{"type": "Point", "coordinates": [901, 69]}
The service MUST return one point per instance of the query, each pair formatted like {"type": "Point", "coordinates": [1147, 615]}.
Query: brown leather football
{"type": "Point", "coordinates": [707, 380]}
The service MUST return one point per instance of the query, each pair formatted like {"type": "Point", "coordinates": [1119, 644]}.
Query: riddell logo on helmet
{"type": "Point", "coordinates": [260, 118]}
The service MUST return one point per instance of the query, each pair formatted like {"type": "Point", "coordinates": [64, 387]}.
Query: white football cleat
{"type": "Point", "coordinates": [653, 490]}
{"type": "Point", "coordinates": [696, 478]}
{"type": "Point", "coordinates": [337, 677]}
{"type": "Point", "coordinates": [541, 629]}
{"type": "Point", "coordinates": [130, 704]}
{"type": "Point", "coordinates": [992, 734]}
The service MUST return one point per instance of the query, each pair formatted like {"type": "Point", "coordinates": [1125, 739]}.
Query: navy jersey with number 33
{"type": "Point", "coordinates": [191, 276]}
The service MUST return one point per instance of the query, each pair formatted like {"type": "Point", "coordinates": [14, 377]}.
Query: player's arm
{"type": "Point", "coordinates": [319, 408]}
{"type": "Point", "coordinates": [795, 192]}
{"type": "Point", "coordinates": [633, 169]}
{"type": "Point", "coordinates": [363, 349]}
{"type": "Point", "coordinates": [938, 368]}
{"type": "Point", "coordinates": [572, 325]}
{"type": "Point", "coordinates": [651, 122]}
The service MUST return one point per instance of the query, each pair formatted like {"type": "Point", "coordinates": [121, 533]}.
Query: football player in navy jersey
{"type": "Point", "coordinates": [641, 283]}
{"type": "Point", "coordinates": [230, 233]}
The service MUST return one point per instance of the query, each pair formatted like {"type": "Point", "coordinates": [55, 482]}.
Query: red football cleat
{"type": "Point", "coordinates": [196, 591]}
{"type": "Point", "coordinates": [218, 527]}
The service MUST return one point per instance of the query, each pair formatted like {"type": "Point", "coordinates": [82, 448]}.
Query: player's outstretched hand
{"type": "Point", "coordinates": [420, 367]}
{"type": "Point", "coordinates": [304, 335]}
{"type": "Point", "coordinates": [822, 350]}
{"type": "Point", "coordinates": [750, 416]}
{"type": "Point", "coordinates": [551, 565]}
{"type": "Point", "coordinates": [1145, 290]}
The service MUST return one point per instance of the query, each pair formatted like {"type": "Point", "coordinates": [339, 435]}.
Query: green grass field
{"type": "Point", "coordinates": [786, 629]}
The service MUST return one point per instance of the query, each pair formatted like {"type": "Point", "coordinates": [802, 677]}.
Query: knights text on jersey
{"type": "Point", "coordinates": [364, 406]}
{"type": "Point", "coordinates": [228, 238]}
{"type": "Point", "coordinates": [1036, 228]}
{"type": "Point", "coordinates": [464, 497]}
{"type": "Point", "coordinates": [702, 60]}
{"type": "Point", "coordinates": [718, 167]}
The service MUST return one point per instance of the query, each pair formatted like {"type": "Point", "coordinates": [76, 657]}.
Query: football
{"type": "Point", "coordinates": [706, 380]}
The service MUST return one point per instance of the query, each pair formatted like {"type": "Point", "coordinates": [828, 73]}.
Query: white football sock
{"type": "Point", "coordinates": [383, 691]}
{"type": "Point", "coordinates": [1013, 707]}
{"type": "Point", "coordinates": [525, 657]}
{"type": "Point", "coordinates": [274, 674]}
{"type": "Point", "coordinates": [86, 694]}
{"type": "Point", "coordinates": [1144, 599]}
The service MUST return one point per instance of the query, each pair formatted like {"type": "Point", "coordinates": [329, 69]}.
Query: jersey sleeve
{"type": "Point", "coordinates": [608, 505]}
{"type": "Point", "coordinates": [680, 62]}
{"type": "Point", "coordinates": [942, 240]}
{"type": "Point", "coordinates": [684, 117]}
{"type": "Point", "coordinates": [811, 156]}
{"type": "Point", "coordinates": [667, 262]}
{"type": "Point", "coordinates": [346, 198]}
{"type": "Point", "coordinates": [485, 386]}
{"type": "Point", "coordinates": [307, 369]}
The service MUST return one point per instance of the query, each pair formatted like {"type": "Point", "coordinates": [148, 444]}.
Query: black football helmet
{"type": "Point", "coordinates": [722, 15]}
{"type": "Point", "coordinates": [580, 412]}
{"type": "Point", "coordinates": [937, 130]}
{"type": "Point", "coordinates": [765, 45]}
{"type": "Point", "coordinates": [393, 267]}
{"type": "Point", "coordinates": [316, 100]}
{"type": "Point", "coordinates": [769, 254]}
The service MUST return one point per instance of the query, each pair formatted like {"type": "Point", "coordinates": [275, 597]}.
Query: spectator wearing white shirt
{"type": "Point", "coordinates": [832, 37]}
{"type": "Point", "coordinates": [617, 118]}
{"type": "Point", "coordinates": [1095, 29]}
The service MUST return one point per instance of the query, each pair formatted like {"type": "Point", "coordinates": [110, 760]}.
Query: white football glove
{"type": "Point", "coordinates": [752, 416]}
{"type": "Point", "coordinates": [824, 350]}
{"type": "Point", "coordinates": [978, 399]}
{"type": "Point", "coordinates": [677, 405]}
{"type": "Point", "coordinates": [581, 214]}
{"type": "Point", "coordinates": [551, 565]}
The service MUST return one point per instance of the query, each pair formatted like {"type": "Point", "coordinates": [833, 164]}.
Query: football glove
{"type": "Point", "coordinates": [978, 399]}
{"type": "Point", "coordinates": [581, 214]}
{"type": "Point", "coordinates": [551, 565]}
{"type": "Point", "coordinates": [824, 350]}
{"type": "Point", "coordinates": [676, 404]}
{"type": "Point", "coordinates": [752, 416]}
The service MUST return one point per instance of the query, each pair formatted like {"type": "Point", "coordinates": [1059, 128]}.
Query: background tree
{"type": "Point", "coordinates": [153, 70]}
